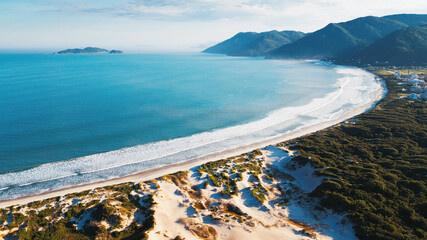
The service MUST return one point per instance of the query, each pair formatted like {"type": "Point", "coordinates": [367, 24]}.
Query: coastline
{"type": "Point", "coordinates": [161, 171]}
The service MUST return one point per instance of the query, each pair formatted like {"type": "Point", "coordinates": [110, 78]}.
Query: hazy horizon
{"type": "Point", "coordinates": [148, 26]}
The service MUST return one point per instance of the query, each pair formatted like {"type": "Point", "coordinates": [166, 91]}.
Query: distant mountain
{"type": "Point", "coordinates": [409, 19]}
{"type": "Point", "coordinates": [404, 47]}
{"type": "Point", "coordinates": [88, 50]}
{"type": "Point", "coordinates": [236, 42]}
{"type": "Point", "coordinates": [254, 44]}
{"type": "Point", "coordinates": [340, 39]}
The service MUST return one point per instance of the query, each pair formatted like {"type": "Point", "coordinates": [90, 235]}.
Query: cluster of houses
{"type": "Point", "coordinates": [418, 87]}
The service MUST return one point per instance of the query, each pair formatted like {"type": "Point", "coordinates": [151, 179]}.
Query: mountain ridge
{"type": "Point", "coordinates": [407, 46]}
{"type": "Point", "coordinates": [337, 39]}
{"type": "Point", "coordinates": [254, 44]}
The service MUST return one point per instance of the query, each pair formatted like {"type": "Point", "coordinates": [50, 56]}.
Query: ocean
{"type": "Point", "coordinates": [67, 120]}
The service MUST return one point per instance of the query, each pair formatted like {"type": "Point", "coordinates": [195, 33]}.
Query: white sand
{"type": "Point", "coordinates": [271, 221]}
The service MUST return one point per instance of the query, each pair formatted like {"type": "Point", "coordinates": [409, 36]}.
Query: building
{"type": "Point", "coordinates": [413, 76]}
{"type": "Point", "coordinates": [418, 87]}
{"type": "Point", "coordinates": [398, 75]}
{"type": "Point", "coordinates": [413, 96]}
{"type": "Point", "coordinates": [416, 81]}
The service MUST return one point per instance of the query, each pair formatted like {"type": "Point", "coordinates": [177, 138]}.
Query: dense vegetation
{"type": "Point", "coordinates": [254, 44]}
{"type": "Point", "coordinates": [227, 172]}
{"type": "Point", "coordinates": [49, 219]}
{"type": "Point", "coordinates": [404, 47]}
{"type": "Point", "coordinates": [338, 39]}
{"type": "Point", "coordinates": [376, 168]}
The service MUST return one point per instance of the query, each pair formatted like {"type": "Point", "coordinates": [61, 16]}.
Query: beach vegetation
{"type": "Point", "coordinates": [248, 166]}
{"type": "Point", "coordinates": [124, 188]}
{"type": "Point", "coordinates": [17, 220]}
{"type": "Point", "coordinates": [255, 153]}
{"type": "Point", "coordinates": [231, 208]}
{"type": "Point", "coordinates": [179, 178]}
{"type": "Point", "coordinates": [50, 212]}
{"type": "Point", "coordinates": [214, 180]}
{"type": "Point", "coordinates": [213, 209]}
{"type": "Point", "coordinates": [268, 177]}
{"type": "Point", "coordinates": [376, 169]}
{"type": "Point", "coordinates": [199, 206]}
{"type": "Point", "coordinates": [75, 211]}
{"type": "Point", "coordinates": [239, 177]}
{"type": "Point", "coordinates": [53, 221]}
{"type": "Point", "coordinates": [77, 194]}
{"type": "Point", "coordinates": [94, 230]}
{"type": "Point", "coordinates": [195, 194]}
{"type": "Point", "coordinates": [3, 216]}
{"type": "Point", "coordinates": [259, 192]}
{"type": "Point", "coordinates": [103, 212]}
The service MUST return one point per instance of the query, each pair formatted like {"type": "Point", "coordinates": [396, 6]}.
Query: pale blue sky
{"type": "Point", "coordinates": [170, 25]}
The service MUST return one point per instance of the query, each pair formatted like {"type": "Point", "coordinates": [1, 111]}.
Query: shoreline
{"type": "Point", "coordinates": [188, 164]}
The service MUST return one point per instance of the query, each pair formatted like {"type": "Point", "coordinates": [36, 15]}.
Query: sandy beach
{"type": "Point", "coordinates": [186, 165]}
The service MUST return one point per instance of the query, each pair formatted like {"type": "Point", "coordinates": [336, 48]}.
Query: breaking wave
{"type": "Point", "coordinates": [354, 88]}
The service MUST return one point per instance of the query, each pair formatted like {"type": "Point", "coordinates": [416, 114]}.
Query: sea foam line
{"type": "Point", "coordinates": [222, 134]}
{"type": "Point", "coordinates": [171, 147]}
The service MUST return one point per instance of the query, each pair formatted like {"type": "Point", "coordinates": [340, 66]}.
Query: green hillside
{"type": "Point", "coordinates": [409, 19]}
{"type": "Point", "coordinates": [404, 47]}
{"type": "Point", "coordinates": [337, 39]}
{"type": "Point", "coordinates": [254, 44]}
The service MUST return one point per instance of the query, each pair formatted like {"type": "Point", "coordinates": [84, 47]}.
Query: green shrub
{"type": "Point", "coordinates": [378, 168]}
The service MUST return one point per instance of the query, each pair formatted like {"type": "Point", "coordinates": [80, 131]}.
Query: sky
{"type": "Point", "coordinates": [170, 25]}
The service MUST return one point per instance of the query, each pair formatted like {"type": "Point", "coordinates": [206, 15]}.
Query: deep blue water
{"type": "Point", "coordinates": [58, 107]}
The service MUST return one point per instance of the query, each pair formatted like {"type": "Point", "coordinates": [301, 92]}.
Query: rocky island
{"type": "Point", "coordinates": [116, 52]}
{"type": "Point", "coordinates": [88, 50]}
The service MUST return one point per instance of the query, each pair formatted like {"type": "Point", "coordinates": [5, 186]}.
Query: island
{"type": "Point", "coordinates": [88, 50]}
{"type": "Point", "coordinates": [116, 52]}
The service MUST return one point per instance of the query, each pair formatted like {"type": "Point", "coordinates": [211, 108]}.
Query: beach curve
{"type": "Point", "coordinates": [185, 165]}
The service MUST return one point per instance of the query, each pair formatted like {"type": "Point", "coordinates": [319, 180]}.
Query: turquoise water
{"type": "Point", "coordinates": [61, 107]}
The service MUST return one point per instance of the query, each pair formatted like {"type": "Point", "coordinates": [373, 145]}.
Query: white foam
{"type": "Point", "coordinates": [355, 88]}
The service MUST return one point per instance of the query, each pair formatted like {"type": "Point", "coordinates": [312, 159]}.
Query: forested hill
{"type": "Point", "coordinates": [334, 41]}
{"type": "Point", "coordinates": [409, 19]}
{"type": "Point", "coordinates": [254, 44]}
{"type": "Point", "coordinates": [404, 47]}
{"type": "Point", "coordinates": [338, 39]}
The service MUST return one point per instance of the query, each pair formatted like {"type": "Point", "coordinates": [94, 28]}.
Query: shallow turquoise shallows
{"type": "Point", "coordinates": [59, 107]}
